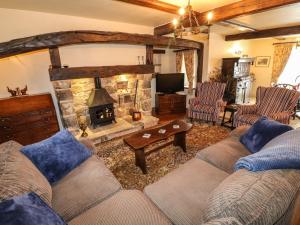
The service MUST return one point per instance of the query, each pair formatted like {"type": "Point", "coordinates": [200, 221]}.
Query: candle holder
{"type": "Point", "coordinates": [83, 127]}
{"type": "Point", "coordinates": [136, 116]}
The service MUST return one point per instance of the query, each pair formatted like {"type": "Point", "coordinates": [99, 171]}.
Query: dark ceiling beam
{"type": "Point", "coordinates": [57, 39]}
{"type": "Point", "coordinates": [244, 7]}
{"type": "Point", "coordinates": [153, 4]}
{"type": "Point", "coordinates": [275, 32]}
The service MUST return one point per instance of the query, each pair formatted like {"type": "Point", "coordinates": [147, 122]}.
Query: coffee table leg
{"type": "Point", "coordinates": [179, 140]}
{"type": "Point", "coordinates": [140, 160]}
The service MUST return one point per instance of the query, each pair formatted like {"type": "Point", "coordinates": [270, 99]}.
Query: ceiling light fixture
{"type": "Point", "coordinates": [192, 27]}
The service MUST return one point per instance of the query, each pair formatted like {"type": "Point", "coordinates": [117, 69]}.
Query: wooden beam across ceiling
{"type": "Point", "coordinates": [154, 4]}
{"type": "Point", "coordinates": [244, 7]}
{"type": "Point", "coordinates": [275, 32]}
{"type": "Point", "coordinates": [57, 39]}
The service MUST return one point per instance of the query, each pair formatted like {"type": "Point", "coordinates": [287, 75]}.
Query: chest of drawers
{"type": "Point", "coordinates": [27, 119]}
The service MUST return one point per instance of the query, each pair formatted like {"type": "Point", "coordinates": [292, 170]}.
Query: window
{"type": "Point", "coordinates": [183, 70]}
{"type": "Point", "coordinates": [291, 72]}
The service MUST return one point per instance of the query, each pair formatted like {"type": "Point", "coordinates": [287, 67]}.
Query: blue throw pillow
{"type": "Point", "coordinates": [261, 132]}
{"type": "Point", "coordinates": [28, 209]}
{"type": "Point", "coordinates": [283, 152]}
{"type": "Point", "coordinates": [56, 156]}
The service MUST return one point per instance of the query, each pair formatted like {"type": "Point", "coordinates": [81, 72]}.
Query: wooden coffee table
{"type": "Point", "coordinates": [138, 143]}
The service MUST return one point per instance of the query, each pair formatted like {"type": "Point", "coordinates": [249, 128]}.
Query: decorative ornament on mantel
{"type": "Point", "coordinates": [17, 91]}
{"type": "Point", "coordinates": [83, 125]}
{"type": "Point", "coordinates": [193, 26]}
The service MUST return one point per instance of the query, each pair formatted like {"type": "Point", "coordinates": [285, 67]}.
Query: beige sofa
{"type": "Point", "coordinates": [207, 190]}
{"type": "Point", "coordinates": [204, 190]}
{"type": "Point", "coordinates": [88, 195]}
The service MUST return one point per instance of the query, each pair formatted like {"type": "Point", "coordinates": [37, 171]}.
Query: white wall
{"type": "Point", "coordinates": [219, 48]}
{"type": "Point", "coordinates": [32, 68]}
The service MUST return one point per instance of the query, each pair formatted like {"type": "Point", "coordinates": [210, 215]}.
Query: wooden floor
{"type": "Point", "coordinates": [169, 117]}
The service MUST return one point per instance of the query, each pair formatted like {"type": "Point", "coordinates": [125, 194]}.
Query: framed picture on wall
{"type": "Point", "coordinates": [262, 61]}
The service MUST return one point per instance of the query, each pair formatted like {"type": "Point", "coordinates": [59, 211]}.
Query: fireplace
{"type": "Point", "coordinates": [101, 106]}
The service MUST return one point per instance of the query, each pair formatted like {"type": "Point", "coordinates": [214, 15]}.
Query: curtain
{"type": "Point", "coordinates": [179, 56]}
{"type": "Point", "coordinates": [189, 57]}
{"type": "Point", "coordinates": [282, 53]}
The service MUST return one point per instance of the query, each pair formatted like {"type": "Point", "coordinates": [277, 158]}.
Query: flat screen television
{"type": "Point", "coordinates": [169, 83]}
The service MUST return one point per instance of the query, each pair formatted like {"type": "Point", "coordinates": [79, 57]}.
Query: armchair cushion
{"type": "Point", "coordinates": [261, 132]}
{"type": "Point", "coordinates": [247, 109]}
{"type": "Point", "coordinates": [204, 108]}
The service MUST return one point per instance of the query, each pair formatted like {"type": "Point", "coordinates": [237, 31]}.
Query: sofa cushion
{"type": "Point", "coordinates": [254, 198]}
{"type": "Point", "coordinates": [28, 209]}
{"type": "Point", "coordinates": [182, 194]}
{"type": "Point", "coordinates": [124, 208]}
{"type": "Point", "coordinates": [18, 175]}
{"type": "Point", "coordinates": [56, 156]}
{"type": "Point", "coordinates": [261, 132]}
{"type": "Point", "coordinates": [224, 154]}
{"type": "Point", "coordinates": [82, 188]}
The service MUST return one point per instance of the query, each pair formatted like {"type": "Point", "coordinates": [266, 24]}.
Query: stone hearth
{"type": "Point", "coordinates": [73, 94]}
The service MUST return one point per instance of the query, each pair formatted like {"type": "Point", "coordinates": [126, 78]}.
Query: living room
{"type": "Point", "coordinates": [149, 112]}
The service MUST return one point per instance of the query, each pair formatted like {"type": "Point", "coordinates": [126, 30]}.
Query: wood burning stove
{"type": "Point", "coordinates": [101, 106]}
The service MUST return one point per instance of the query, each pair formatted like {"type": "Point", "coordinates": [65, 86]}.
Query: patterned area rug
{"type": "Point", "coordinates": [120, 160]}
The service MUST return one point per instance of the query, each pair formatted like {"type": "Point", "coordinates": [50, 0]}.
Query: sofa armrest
{"type": "Point", "coordinates": [194, 101]}
{"type": "Point", "coordinates": [220, 104]}
{"type": "Point", "coordinates": [246, 109]}
{"type": "Point", "coordinates": [239, 131]}
{"type": "Point", "coordinates": [89, 144]}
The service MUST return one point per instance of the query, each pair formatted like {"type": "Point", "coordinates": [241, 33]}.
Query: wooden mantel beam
{"type": "Point", "coordinates": [97, 71]}
{"type": "Point", "coordinates": [244, 7]}
{"type": "Point", "coordinates": [275, 32]}
{"type": "Point", "coordinates": [154, 4]}
{"type": "Point", "coordinates": [57, 39]}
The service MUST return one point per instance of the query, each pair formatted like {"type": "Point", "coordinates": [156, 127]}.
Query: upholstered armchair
{"type": "Point", "coordinates": [273, 102]}
{"type": "Point", "coordinates": [209, 102]}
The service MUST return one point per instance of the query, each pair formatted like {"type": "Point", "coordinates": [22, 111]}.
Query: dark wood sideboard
{"type": "Point", "coordinates": [170, 103]}
{"type": "Point", "coordinates": [27, 119]}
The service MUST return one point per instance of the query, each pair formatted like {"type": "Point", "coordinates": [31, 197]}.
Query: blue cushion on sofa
{"type": "Point", "coordinates": [28, 209]}
{"type": "Point", "coordinates": [56, 156]}
{"type": "Point", "coordinates": [283, 152]}
{"type": "Point", "coordinates": [261, 132]}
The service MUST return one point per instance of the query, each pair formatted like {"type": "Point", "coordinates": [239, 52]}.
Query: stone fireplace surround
{"type": "Point", "coordinates": [72, 96]}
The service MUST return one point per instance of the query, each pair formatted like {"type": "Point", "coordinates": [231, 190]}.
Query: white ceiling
{"type": "Point", "coordinates": [120, 11]}
{"type": "Point", "coordinates": [284, 16]}
{"type": "Point", "coordinates": [201, 5]}
{"type": "Point", "coordinates": [97, 9]}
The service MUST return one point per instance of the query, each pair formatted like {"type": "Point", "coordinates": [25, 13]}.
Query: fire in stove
{"type": "Point", "coordinates": [101, 106]}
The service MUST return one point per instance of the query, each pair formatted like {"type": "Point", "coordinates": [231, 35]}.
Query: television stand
{"type": "Point", "coordinates": [170, 103]}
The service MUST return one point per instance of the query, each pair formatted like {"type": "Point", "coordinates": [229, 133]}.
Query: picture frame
{"type": "Point", "coordinates": [262, 61]}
